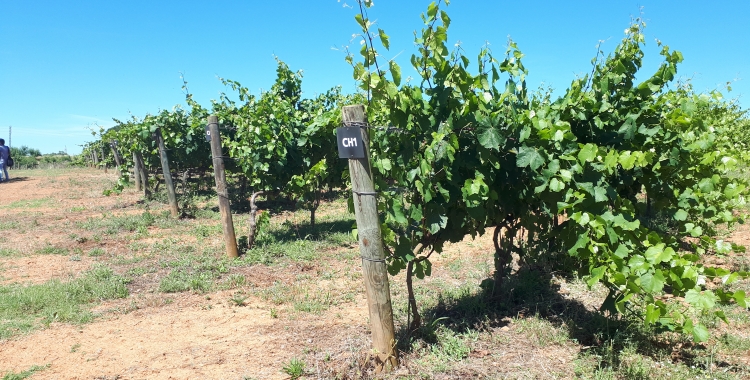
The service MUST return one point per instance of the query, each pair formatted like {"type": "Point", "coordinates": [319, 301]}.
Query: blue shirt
{"type": "Point", "coordinates": [4, 152]}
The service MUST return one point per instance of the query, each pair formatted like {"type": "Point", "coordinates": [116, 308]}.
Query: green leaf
{"type": "Point", "coordinates": [432, 11]}
{"type": "Point", "coordinates": [556, 185]}
{"type": "Point", "coordinates": [398, 211]}
{"type": "Point", "coordinates": [525, 133]}
{"type": "Point", "coordinates": [700, 333]}
{"type": "Point", "coordinates": [680, 215]}
{"type": "Point", "coordinates": [384, 39]}
{"type": "Point", "coordinates": [652, 314]}
{"type": "Point", "coordinates": [703, 299]}
{"type": "Point", "coordinates": [444, 17]}
{"type": "Point", "coordinates": [600, 194]}
{"type": "Point", "coordinates": [530, 157]}
{"type": "Point", "coordinates": [652, 282]}
{"type": "Point", "coordinates": [739, 297]}
{"type": "Point", "coordinates": [360, 21]}
{"type": "Point", "coordinates": [395, 72]}
{"type": "Point", "coordinates": [588, 153]}
{"type": "Point", "coordinates": [491, 138]}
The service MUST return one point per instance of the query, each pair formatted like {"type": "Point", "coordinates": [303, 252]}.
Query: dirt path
{"type": "Point", "coordinates": [193, 336]}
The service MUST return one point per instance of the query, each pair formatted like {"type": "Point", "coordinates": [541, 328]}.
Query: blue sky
{"type": "Point", "coordinates": [68, 66]}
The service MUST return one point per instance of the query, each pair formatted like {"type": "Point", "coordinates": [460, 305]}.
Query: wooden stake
{"type": "Point", "coordinates": [167, 175]}
{"type": "Point", "coordinates": [104, 160]}
{"type": "Point", "coordinates": [116, 154]}
{"type": "Point", "coordinates": [144, 173]}
{"type": "Point", "coordinates": [371, 247]}
{"type": "Point", "coordinates": [136, 173]}
{"type": "Point", "coordinates": [230, 240]}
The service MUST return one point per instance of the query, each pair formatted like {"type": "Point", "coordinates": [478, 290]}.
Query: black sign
{"type": "Point", "coordinates": [350, 144]}
{"type": "Point", "coordinates": [208, 133]}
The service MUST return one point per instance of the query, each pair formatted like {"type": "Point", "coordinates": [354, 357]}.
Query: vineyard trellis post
{"type": "Point", "coordinates": [115, 153]}
{"type": "Point", "coordinates": [371, 246]}
{"type": "Point", "coordinates": [136, 173]}
{"type": "Point", "coordinates": [143, 173]}
{"type": "Point", "coordinates": [104, 159]}
{"type": "Point", "coordinates": [168, 183]}
{"type": "Point", "coordinates": [227, 225]}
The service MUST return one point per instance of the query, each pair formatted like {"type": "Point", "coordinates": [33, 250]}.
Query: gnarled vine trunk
{"type": "Point", "coordinates": [252, 223]}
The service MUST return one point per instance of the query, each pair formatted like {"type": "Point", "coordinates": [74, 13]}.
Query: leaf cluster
{"type": "Point", "coordinates": [578, 174]}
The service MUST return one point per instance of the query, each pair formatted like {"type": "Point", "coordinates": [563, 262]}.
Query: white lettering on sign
{"type": "Point", "coordinates": [349, 141]}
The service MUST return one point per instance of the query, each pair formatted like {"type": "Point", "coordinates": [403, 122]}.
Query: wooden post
{"type": "Point", "coordinates": [230, 240]}
{"type": "Point", "coordinates": [168, 183]}
{"type": "Point", "coordinates": [143, 172]}
{"type": "Point", "coordinates": [136, 172]}
{"type": "Point", "coordinates": [104, 160]}
{"type": "Point", "coordinates": [96, 158]}
{"type": "Point", "coordinates": [116, 153]}
{"type": "Point", "coordinates": [371, 247]}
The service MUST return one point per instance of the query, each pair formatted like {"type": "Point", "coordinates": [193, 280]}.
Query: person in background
{"type": "Point", "coordinates": [4, 154]}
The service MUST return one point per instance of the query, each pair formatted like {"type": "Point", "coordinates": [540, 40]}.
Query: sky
{"type": "Point", "coordinates": [68, 67]}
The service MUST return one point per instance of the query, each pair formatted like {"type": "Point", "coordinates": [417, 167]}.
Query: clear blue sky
{"type": "Point", "coordinates": [67, 65]}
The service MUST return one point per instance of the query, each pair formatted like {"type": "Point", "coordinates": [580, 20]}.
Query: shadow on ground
{"type": "Point", "coordinates": [531, 292]}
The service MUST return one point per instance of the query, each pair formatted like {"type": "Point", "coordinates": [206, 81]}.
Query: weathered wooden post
{"type": "Point", "coordinates": [143, 172]}
{"type": "Point", "coordinates": [167, 174]}
{"type": "Point", "coordinates": [115, 153]}
{"type": "Point", "coordinates": [104, 159]}
{"type": "Point", "coordinates": [230, 240]}
{"type": "Point", "coordinates": [354, 144]}
{"type": "Point", "coordinates": [136, 172]}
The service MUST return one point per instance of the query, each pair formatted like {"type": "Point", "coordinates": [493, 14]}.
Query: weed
{"type": "Point", "coordinates": [180, 281]}
{"type": "Point", "coordinates": [234, 281]}
{"type": "Point", "coordinates": [112, 225]}
{"type": "Point", "coordinates": [94, 252]}
{"type": "Point", "coordinates": [25, 374]}
{"type": "Point", "coordinates": [24, 308]}
{"type": "Point", "coordinates": [30, 203]}
{"type": "Point", "coordinates": [49, 249]}
{"type": "Point", "coordinates": [315, 304]}
{"type": "Point", "coordinates": [734, 344]}
{"type": "Point", "coordinates": [452, 346]}
{"type": "Point", "coordinates": [541, 331]}
{"type": "Point", "coordinates": [238, 299]}
{"type": "Point", "coordinates": [295, 368]}
{"type": "Point", "coordinates": [7, 252]}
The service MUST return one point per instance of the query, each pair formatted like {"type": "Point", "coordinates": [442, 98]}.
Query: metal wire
{"type": "Point", "coordinates": [373, 193]}
{"type": "Point", "coordinates": [362, 124]}
{"type": "Point", "coordinates": [373, 260]}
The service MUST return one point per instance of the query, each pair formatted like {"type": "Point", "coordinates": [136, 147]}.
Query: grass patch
{"type": "Point", "coordinates": [24, 374]}
{"type": "Point", "coordinates": [295, 368]}
{"type": "Point", "coordinates": [25, 308]}
{"type": "Point", "coordinates": [302, 299]}
{"type": "Point", "coordinates": [30, 203]}
{"type": "Point", "coordinates": [8, 252]}
{"type": "Point", "coordinates": [50, 249]}
{"type": "Point", "coordinates": [193, 272]}
{"type": "Point", "coordinates": [112, 225]}
{"type": "Point", "coordinates": [95, 252]}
